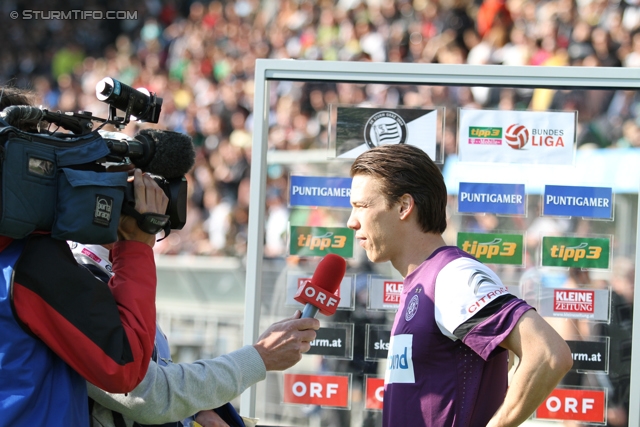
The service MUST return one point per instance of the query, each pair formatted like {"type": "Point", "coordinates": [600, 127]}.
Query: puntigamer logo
{"type": "Point", "coordinates": [578, 252]}
{"type": "Point", "coordinates": [493, 248]}
{"type": "Point", "coordinates": [319, 241]}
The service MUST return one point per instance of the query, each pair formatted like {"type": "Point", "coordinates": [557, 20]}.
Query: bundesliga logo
{"type": "Point", "coordinates": [383, 128]}
{"type": "Point", "coordinates": [517, 136]}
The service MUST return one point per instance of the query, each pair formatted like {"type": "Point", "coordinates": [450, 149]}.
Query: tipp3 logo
{"type": "Point", "coordinates": [493, 248]}
{"type": "Point", "coordinates": [577, 252]}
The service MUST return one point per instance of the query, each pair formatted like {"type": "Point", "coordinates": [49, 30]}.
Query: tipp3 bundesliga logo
{"type": "Point", "coordinates": [528, 137]}
{"type": "Point", "coordinates": [385, 127]}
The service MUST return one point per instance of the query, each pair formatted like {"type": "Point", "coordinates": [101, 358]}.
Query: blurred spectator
{"type": "Point", "coordinates": [630, 135]}
{"type": "Point", "coordinates": [199, 56]}
{"type": "Point", "coordinates": [619, 331]}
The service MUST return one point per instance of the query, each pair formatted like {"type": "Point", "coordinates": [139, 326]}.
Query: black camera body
{"type": "Point", "coordinates": [58, 182]}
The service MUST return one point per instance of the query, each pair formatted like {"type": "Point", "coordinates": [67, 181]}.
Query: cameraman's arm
{"type": "Point", "coordinates": [106, 336]}
{"type": "Point", "coordinates": [134, 264]}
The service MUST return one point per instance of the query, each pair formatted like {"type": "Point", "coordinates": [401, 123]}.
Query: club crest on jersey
{"type": "Point", "coordinates": [412, 308]}
{"type": "Point", "coordinates": [383, 128]}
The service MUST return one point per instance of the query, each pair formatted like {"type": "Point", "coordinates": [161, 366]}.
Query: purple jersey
{"type": "Point", "coordinates": [445, 367]}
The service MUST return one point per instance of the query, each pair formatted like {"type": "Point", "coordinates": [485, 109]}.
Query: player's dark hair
{"type": "Point", "coordinates": [405, 169]}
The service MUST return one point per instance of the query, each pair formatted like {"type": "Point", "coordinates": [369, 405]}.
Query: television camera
{"type": "Point", "coordinates": [58, 181]}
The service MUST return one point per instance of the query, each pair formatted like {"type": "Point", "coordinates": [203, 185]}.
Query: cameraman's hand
{"type": "Point", "coordinates": [149, 198]}
{"type": "Point", "coordinates": [281, 346]}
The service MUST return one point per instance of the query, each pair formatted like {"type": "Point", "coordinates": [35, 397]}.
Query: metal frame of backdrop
{"type": "Point", "coordinates": [267, 70]}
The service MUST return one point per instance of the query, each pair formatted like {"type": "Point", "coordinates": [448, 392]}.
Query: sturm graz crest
{"type": "Point", "coordinates": [383, 128]}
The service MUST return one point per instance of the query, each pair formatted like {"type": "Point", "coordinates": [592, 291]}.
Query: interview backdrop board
{"type": "Point", "coordinates": [541, 151]}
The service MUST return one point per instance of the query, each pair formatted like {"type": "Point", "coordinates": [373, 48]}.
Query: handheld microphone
{"type": "Point", "coordinates": [318, 293]}
{"type": "Point", "coordinates": [160, 152]}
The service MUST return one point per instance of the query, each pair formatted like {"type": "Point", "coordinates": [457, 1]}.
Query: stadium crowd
{"type": "Point", "coordinates": [199, 56]}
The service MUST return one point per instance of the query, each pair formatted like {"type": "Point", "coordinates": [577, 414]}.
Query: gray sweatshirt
{"type": "Point", "coordinates": [179, 390]}
{"type": "Point", "coordinates": [169, 391]}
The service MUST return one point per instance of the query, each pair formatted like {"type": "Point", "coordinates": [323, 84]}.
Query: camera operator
{"type": "Point", "coordinates": [171, 392]}
{"type": "Point", "coordinates": [61, 326]}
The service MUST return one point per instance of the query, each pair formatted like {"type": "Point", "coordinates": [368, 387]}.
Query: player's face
{"type": "Point", "coordinates": [374, 223]}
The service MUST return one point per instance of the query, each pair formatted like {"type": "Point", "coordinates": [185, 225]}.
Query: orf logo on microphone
{"type": "Point", "coordinates": [303, 280]}
{"type": "Point", "coordinates": [325, 302]}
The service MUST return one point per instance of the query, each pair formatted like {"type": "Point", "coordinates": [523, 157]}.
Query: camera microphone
{"type": "Point", "coordinates": [160, 152]}
{"type": "Point", "coordinates": [167, 154]}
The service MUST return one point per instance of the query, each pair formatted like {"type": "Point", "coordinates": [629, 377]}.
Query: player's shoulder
{"type": "Point", "coordinates": [460, 262]}
{"type": "Point", "coordinates": [467, 270]}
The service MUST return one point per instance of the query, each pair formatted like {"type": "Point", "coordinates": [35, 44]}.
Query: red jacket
{"type": "Point", "coordinates": [104, 332]}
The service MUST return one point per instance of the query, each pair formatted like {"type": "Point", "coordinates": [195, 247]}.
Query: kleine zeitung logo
{"type": "Point", "coordinates": [573, 301]}
{"type": "Point", "coordinates": [392, 292]}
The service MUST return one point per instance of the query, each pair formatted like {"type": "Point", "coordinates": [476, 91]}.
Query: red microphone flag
{"type": "Point", "coordinates": [320, 290]}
